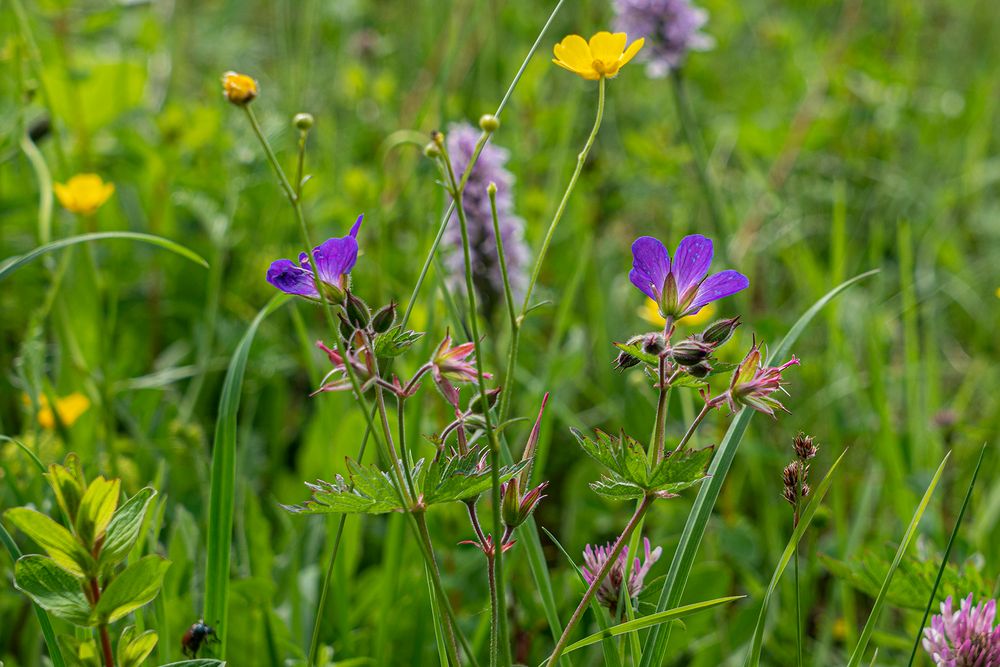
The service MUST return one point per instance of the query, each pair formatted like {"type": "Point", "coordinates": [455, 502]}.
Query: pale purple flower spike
{"type": "Point", "coordinates": [964, 638]}
{"type": "Point", "coordinates": [672, 28]}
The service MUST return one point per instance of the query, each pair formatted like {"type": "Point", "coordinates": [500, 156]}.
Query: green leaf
{"type": "Point", "coordinates": [655, 646]}
{"type": "Point", "coordinates": [136, 585]}
{"type": "Point", "coordinates": [13, 263]}
{"type": "Point", "coordinates": [623, 456]}
{"type": "Point", "coordinates": [462, 476]}
{"type": "Point", "coordinates": [340, 497]}
{"type": "Point", "coordinates": [133, 649]}
{"type": "Point", "coordinates": [637, 352]}
{"type": "Point", "coordinates": [67, 484]}
{"type": "Point", "coordinates": [880, 599]}
{"type": "Point", "coordinates": [52, 588]}
{"type": "Point", "coordinates": [96, 509]}
{"type": "Point", "coordinates": [123, 530]}
{"type": "Point", "coordinates": [617, 488]}
{"type": "Point", "coordinates": [59, 543]}
{"type": "Point", "coordinates": [81, 652]}
{"type": "Point", "coordinates": [222, 493]}
{"type": "Point", "coordinates": [395, 342]}
{"type": "Point", "coordinates": [651, 620]}
{"type": "Point", "coordinates": [681, 471]}
{"type": "Point", "coordinates": [753, 656]}
{"type": "Point", "coordinates": [201, 662]}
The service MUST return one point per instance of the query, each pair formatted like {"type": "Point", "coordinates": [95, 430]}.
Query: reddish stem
{"type": "Point", "coordinates": [109, 656]}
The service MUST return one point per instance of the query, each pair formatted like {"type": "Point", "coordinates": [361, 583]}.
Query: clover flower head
{"type": "Point", "coordinates": [334, 259]}
{"type": "Point", "coordinates": [454, 364]}
{"type": "Point", "coordinates": [486, 271]}
{"type": "Point", "coordinates": [753, 384]}
{"type": "Point", "coordinates": [673, 28]}
{"type": "Point", "coordinates": [599, 58]}
{"type": "Point", "coordinates": [239, 89]}
{"type": "Point", "coordinates": [681, 288]}
{"type": "Point", "coordinates": [83, 193]}
{"type": "Point", "coordinates": [594, 559]}
{"type": "Point", "coordinates": [964, 638]}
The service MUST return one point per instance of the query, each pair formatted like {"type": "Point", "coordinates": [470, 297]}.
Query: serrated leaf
{"type": "Point", "coordinates": [133, 649]}
{"type": "Point", "coordinates": [395, 341]}
{"type": "Point", "coordinates": [54, 589]}
{"type": "Point", "coordinates": [638, 353]}
{"type": "Point", "coordinates": [462, 476]}
{"type": "Point", "coordinates": [339, 497]}
{"type": "Point", "coordinates": [687, 380]}
{"type": "Point", "coordinates": [618, 489]}
{"type": "Point", "coordinates": [59, 543]}
{"type": "Point", "coordinates": [123, 530]}
{"type": "Point", "coordinates": [681, 471]}
{"type": "Point", "coordinates": [623, 456]}
{"type": "Point", "coordinates": [96, 509]}
{"type": "Point", "coordinates": [136, 585]}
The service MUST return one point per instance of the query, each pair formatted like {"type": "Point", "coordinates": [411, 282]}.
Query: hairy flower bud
{"type": "Point", "coordinates": [489, 123]}
{"type": "Point", "coordinates": [384, 318]}
{"type": "Point", "coordinates": [700, 370]}
{"type": "Point", "coordinates": [357, 311]}
{"type": "Point", "coordinates": [719, 332]}
{"type": "Point", "coordinates": [650, 343]}
{"type": "Point", "coordinates": [690, 352]}
{"type": "Point", "coordinates": [516, 508]}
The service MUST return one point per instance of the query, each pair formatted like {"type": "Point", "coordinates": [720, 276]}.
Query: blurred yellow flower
{"type": "Point", "coordinates": [603, 56]}
{"type": "Point", "coordinates": [84, 193]}
{"type": "Point", "coordinates": [651, 313]}
{"type": "Point", "coordinates": [69, 409]}
{"type": "Point", "coordinates": [238, 88]}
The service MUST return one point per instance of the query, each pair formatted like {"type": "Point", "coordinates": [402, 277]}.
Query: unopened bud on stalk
{"type": "Point", "coordinates": [516, 509]}
{"type": "Point", "coordinates": [492, 396]}
{"type": "Point", "coordinates": [650, 343]}
{"type": "Point", "coordinates": [239, 89]}
{"type": "Point", "coordinates": [357, 311]}
{"type": "Point", "coordinates": [489, 123]}
{"type": "Point", "coordinates": [346, 328]}
{"type": "Point", "coordinates": [384, 318]}
{"type": "Point", "coordinates": [303, 121]}
{"type": "Point", "coordinates": [432, 151]}
{"type": "Point", "coordinates": [690, 352]}
{"type": "Point", "coordinates": [719, 332]}
{"type": "Point", "coordinates": [437, 138]}
{"type": "Point", "coordinates": [700, 370]}
{"type": "Point", "coordinates": [491, 189]}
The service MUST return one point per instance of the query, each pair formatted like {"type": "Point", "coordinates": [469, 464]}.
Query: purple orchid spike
{"type": "Point", "coordinates": [334, 258]}
{"type": "Point", "coordinates": [681, 288]}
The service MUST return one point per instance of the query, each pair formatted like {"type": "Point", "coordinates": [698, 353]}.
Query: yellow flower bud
{"type": "Point", "coordinates": [239, 89]}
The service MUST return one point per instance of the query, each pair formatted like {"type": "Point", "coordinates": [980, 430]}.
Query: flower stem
{"type": "Point", "coordinates": [500, 650]}
{"type": "Point", "coordinates": [599, 577]}
{"type": "Point", "coordinates": [502, 259]}
{"type": "Point", "coordinates": [660, 426]}
{"type": "Point", "coordinates": [445, 606]}
{"type": "Point", "coordinates": [491, 573]}
{"type": "Point", "coordinates": [581, 158]}
{"type": "Point", "coordinates": [107, 655]}
{"type": "Point", "coordinates": [693, 427]}
{"type": "Point", "coordinates": [690, 130]}
{"type": "Point", "coordinates": [795, 555]}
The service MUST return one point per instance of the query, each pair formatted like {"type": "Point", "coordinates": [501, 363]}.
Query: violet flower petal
{"type": "Point", "coordinates": [717, 286]}
{"type": "Point", "coordinates": [650, 265]}
{"type": "Point", "coordinates": [335, 258]}
{"type": "Point", "coordinates": [292, 279]}
{"type": "Point", "coordinates": [691, 261]}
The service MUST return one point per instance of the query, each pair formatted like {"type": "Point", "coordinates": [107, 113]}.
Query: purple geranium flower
{"type": "Point", "coordinates": [964, 638]}
{"type": "Point", "coordinates": [681, 288]}
{"type": "Point", "coordinates": [334, 258]}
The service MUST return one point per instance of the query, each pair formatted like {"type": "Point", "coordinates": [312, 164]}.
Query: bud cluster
{"type": "Point", "coordinates": [796, 474]}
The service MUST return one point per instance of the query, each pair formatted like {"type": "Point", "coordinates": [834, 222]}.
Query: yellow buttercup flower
{"type": "Point", "coordinates": [69, 408]}
{"type": "Point", "coordinates": [239, 89]}
{"type": "Point", "coordinates": [651, 313]}
{"type": "Point", "coordinates": [603, 56]}
{"type": "Point", "coordinates": [84, 193]}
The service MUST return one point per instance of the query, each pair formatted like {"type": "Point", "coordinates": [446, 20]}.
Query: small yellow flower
{"type": "Point", "coordinates": [651, 313]}
{"type": "Point", "coordinates": [84, 193]}
{"type": "Point", "coordinates": [238, 88]}
{"type": "Point", "coordinates": [69, 409]}
{"type": "Point", "coordinates": [603, 56]}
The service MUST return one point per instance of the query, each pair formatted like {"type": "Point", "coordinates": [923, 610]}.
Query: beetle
{"type": "Point", "coordinates": [199, 633]}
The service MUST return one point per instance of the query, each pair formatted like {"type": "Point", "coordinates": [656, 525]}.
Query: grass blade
{"type": "Point", "coordinates": [680, 567]}
{"type": "Point", "coordinates": [11, 264]}
{"type": "Point", "coordinates": [651, 620]}
{"type": "Point", "coordinates": [880, 600]}
{"type": "Point", "coordinates": [753, 657]}
{"type": "Point", "coordinates": [222, 498]}
{"type": "Point", "coordinates": [947, 552]}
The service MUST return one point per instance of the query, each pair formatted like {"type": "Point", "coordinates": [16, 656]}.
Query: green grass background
{"type": "Point", "coordinates": [841, 137]}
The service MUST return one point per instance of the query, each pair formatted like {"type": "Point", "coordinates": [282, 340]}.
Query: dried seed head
{"type": "Point", "coordinates": [804, 447]}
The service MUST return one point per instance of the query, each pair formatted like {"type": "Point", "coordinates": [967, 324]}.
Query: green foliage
{"type": "Point", "coordinates": [135, 586]}
{"type": "Point", "coordinates": [53, 588]}
{"type": "Point", "coordinates": [134, 648]}
{"type": "Point", "coordinates": [632, 476]}
{"type": "Point", "coordinates": [395, 342]}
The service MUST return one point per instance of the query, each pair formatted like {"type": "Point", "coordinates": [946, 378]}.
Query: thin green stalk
{"type": "Point", "coordinates": [501, 649]}
{"type": "Point", "coordinates": [599, 577]}
{"type": "Point", "coordinates": [428, 549]}
{"type": "Point", "coordinates": [693, 427]}
{"type": "Point", "coordinates": [546, 241]}
{"type": "Point", "coordinates": [491, 575]}
{"type": "Point", "coordinates": [689, 127]}
{"type": "Point", "coordinates": [501, 257]}
{"type": "Point", "coordinates": [947, 552]}
{"type": "Point", "coordinates": [798, 594]}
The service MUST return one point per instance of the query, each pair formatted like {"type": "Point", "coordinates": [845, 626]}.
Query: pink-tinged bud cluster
{"type": "Point", "coordinates": [454, 364]}
{"type": "Point", "coordinates": [594, 559]}
{"type": "Point", "coordinates": [516, 508]}
{"type": "Point", "coordinates": [337, 378]}
{"type": "Point", "coordinates": [964, 638]}
{"type": "Point", "coordinates": [753, 384]}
